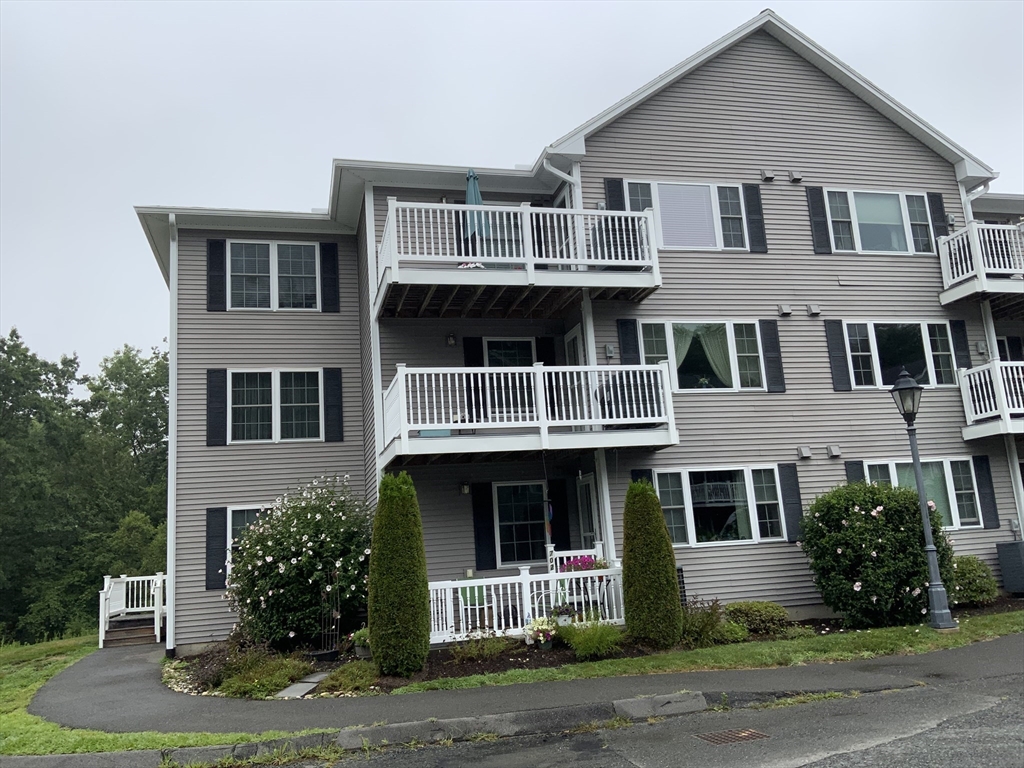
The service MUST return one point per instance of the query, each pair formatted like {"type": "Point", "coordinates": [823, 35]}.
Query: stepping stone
{"type": "Point", "coordinates": [316, 677]}
{"type": "Point", "coordinates": [301, 688]}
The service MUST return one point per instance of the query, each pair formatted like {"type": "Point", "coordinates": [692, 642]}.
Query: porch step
{"type": "Point", "coordinates": [126, 622]}
{"type": "Point", "coordinates": [133, 630]}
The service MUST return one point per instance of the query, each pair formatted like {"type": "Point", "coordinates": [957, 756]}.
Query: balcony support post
{"type": "Point", "coordinates": [945, 255]}
{"type": "Point", "coordinates": [403, 412]}
{"type": "Point", "coordinates": [651, 245]}
{"type": "Point", "coordinates": [1016, 481]}
{"type": "Point", "coordinates": [540, 400]}
{"type": "Point", "coordinates": [988, 321]}
{"type": "Point", "coordinates": [977, 256]}
{"type": "Point", "coordinates": [526, 233]}
{"type": "Point", "coordinates": [670, 407]}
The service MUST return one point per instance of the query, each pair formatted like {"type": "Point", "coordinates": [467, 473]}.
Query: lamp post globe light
{"type": "Point", "coordinates": [907, 394]}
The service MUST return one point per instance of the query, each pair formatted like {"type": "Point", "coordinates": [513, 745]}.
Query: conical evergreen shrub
{"type": "Point", "coordinates": [398, 607]}
{"type": "Point", "coordinates": [650, 590]}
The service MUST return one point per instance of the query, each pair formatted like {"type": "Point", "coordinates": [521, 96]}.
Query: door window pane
{"type": "Point", "coordinates": [720, 508]}
{"type": "Point", "coordinates": [935, 488]}
{"type": "Point", "coordinates": [250, 275]}
{"type": "Point", "coordinates": [748, 355]}
{"type": "Point", "coordinates": [300, 405]}
{"type": "Point", "coordinates": [766, 497]}
{"type": "Point", "coordinates": [687, 217]}
{"type": "Point", "coordinates": [731, 213]}
{"type": "Point", "coordinates": [880, 222]}
{"type": "Point", "coordinates": [860, 354]}
{"type": "Point", "coordinates": [521, 531]}
{"type": "Point", "coordinates": [942, 354]}
{"type": "Point", "coordinates": [673, 505]}
{"type": "Point", "coordinates": [702, 355]}
{"type": "Point", "coordinates": [251, 406]}
{"type": "Point", "coordinates": [900, 346]}
{"type": "Point", "coordinates": [655, 346]}
{"type": "Point", "coordinates": [920, 229]}
{"type": "Point", "coordinates": [842, 223]}
{"type": "Point", "coordinates": [963, 489]}
{"type": "Point", "coordinates": [639, 196]}
{"type": "Point", "coordinates": [296, 281]}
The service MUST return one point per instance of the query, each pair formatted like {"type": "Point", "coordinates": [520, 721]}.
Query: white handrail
{"type": "Point", "coordinates": [981, 251]}
{"type": "Point", "coordinates": [132, 594]}
{"type": "Point", "coordinates": [993, 390]}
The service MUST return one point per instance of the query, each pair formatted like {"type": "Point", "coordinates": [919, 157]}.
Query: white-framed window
{"type": "Point", "coordinates": [950, 483]}
{"type": "Point", "coordinates": [520, 522]}
{"type": "Point", "coordinates": [273, 275]}
{"type": "Point", "coordinates": [866, 221]}
{"type": "Point", "coordinates": [878, 350]}
{"type": "Point", "coordinates": [714, 354]}
{"type": "Point", "coordinates": [718, 505]}
{"type": "Point", "coordinates": [510, 352]}
{"type": "Point", "coordinates": [693, 216]}
{"type": "Point", "coordinates": [239, 518]}
{"type": "Point", "coordinates": [269, 406]}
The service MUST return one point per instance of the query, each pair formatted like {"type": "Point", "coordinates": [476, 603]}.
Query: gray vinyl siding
{"type": "Point", "coordinates": [756, 106]}
{"type": "Point", "coordinates": [250, 474]}
{"type": "Point", "coordinates": [366, 365]}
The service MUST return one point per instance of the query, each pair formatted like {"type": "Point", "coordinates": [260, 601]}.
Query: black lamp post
{"type": "Point", "coordinates": [907, 394]}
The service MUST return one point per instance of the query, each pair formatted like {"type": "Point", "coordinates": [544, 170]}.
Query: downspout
{"type": "Point", "coordinates": [172, 438]}
{"type": "Point", "coordinates": [577, 186]}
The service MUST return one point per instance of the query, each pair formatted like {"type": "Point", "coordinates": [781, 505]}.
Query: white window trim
{"type": "Point", "coordinates": [531, 339]}
{"type": "Point", "coordinates": [733, 358]}
{"type": "Point", "coordinates": [904, 212]}
{"type": "Point", "coordinates": [954, 508]}
{"type": "Point", "coordinates": [275, 404]}
{"type": "Point", "coordinates": [715, 208]}
{"type": "Point", "coordinates": [274, 277]}
{"type": "Point", "coordinates": [231, 511]}
{"type": "Point", "coordinates": [497, 525]}
{"type": "Point", "coordinates": [876, 367]}
{"type": "Point", "coordinates": [748, 479]}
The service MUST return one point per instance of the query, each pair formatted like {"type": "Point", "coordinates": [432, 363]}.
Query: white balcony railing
{"type": "Point", "coordinates": [993, 391]}
{"type": "Point", "coordinates": [542, 400]}
{"type": "Point", "coordinates": [132, 594]}
{"type": "Point", "coordinates": [446, 236]}
{"type": "Point", "coordinates": [982, 251]}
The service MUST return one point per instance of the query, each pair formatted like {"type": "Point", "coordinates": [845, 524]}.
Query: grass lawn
{"type": "Point", "coordinates": [24, 668]}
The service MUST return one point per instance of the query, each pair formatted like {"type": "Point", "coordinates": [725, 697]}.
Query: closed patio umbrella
{"type": "Point", "coordinates": [477, 227]}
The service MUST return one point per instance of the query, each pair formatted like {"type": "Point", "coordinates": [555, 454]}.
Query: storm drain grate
{"type": "Point", "coordinates": [731, 737]}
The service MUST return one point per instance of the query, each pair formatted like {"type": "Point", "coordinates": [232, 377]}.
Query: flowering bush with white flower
{"type": "Point", "coordinates": [865, 545]}
{"type": "Point", "coordinates": [310, 542]}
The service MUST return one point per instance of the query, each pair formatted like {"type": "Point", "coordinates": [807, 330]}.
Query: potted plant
{"type": "Point", "coordinates": [541, 631]}
{"type": "Point", "coordinates": [563, 614]}
{"type": "Point", "coordinates": [361, 640]}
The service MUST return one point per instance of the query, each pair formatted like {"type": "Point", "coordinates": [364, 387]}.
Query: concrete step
{"type": "Point", "coordinates": [136, 635]}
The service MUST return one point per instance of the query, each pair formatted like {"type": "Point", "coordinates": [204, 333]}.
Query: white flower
{"type": "Point", "coordinates": [317, 515]}
{"type": "Point", "coordinates": [270, 558]}
{"type": "Point", "coordinates": [923, 610]}
{"type": "Point", "coordinates": [280, 567]}
{"type": "Point", "coordinates": [874, 598]}
{"type": "Point", "coordinates": [856, 586]}
{"type": "Point", "coordinates": [874, 513]}
{"type": "Point", "coordinates": [270, 593]}
{"type": "Point", "coordinates": [931, 505]}
{"type": "Point", "coordinates": [291, 634]}
{"type": "Point", "coordinates": [845, 523]}
{"type": "Point", "coordinates": [294, 559]}
{"type": "Point", "coordinates": [337, 563]}
{"type": "Point", "coordinates": [916, 592]}
{"type": "Point", "coordinates": [361, 558]}
{"type": "Point", "coordinates": [839, 550]}
{"type": "Point", "coordinates": [328, 587]}
{"type": "Point", "coordinates": [365, 551]}
{"type": "Point", "coordinates": [874, 554]}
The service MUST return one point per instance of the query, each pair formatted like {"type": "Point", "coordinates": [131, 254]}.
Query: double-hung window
{"type": "Point", "coordinates": [879, 222]}
{"type": "Point", "coordinates": [694, 216]}
{"type": "Point", "coordinates": [272, 406]}
{"type": "Point", "coordinates": [949, 483]}
{"type": "Point", "coordinates": [273, 275]}
{"type": "Point", "coordinates": [707, 355]}
{"type": "Point", "coordinates": [239, 518]}
{"type": "Point", "coordinates": [707, 506]}
{"type": "Point", "coordinates": [879, 350]}
{"type": "Point", "coordinates": [520, 523]}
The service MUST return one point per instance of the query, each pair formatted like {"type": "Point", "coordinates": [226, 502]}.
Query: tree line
{"type": "Point", "coordinates": [83, 483]}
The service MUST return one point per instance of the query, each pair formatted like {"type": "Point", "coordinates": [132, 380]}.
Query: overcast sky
{"type": "Point", "coordinates": [243, 105]}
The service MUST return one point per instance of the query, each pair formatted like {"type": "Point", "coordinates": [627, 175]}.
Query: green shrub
{"type": "Point", "coordinates": [701, 623]}
{"type": "Point", "coordinates": [797, 631]}
{"type": "Point", "coordinates": [354, 677]}
{"type": "Point", "coordinates": [399, 599]}
{"type": "Point", "coordinates": [305, 545]}
{"type": "Point", "coordinates": [591, 640]}
{"type": "Point", "coordinates": [865, 545]}
{"type": "Point", "coordinates": [480, 649]}
{"type": "Point", "coordinates": [731, 632]}
{"type": "Point", "coordinates": [650, 589]}
{"type": "Point", "coordinates": [256, 673]}
{"type": "Point", "coordinates": [759, 617]}
{"type": "Point", "coordinates": [973, 582]}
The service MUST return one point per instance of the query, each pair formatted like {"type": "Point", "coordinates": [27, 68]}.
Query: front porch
{"type": "Point", "coordinates": [993, 397]}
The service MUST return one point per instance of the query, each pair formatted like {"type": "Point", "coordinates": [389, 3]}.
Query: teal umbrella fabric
{"type": "Point", "coordinates": [476, 221]}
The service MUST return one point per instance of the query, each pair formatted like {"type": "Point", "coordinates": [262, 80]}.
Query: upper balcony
{"type": "Point", "coordinates": [983, 261]}
{"type": "Point", "coordinates": [445, 260]}
{"type": "Point", "coordinates": [993, 399]}
{"type": "Point", "coordinates": [458, 411]}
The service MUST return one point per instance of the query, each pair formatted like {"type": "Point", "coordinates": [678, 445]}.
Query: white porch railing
{"type": "Point", "coordinates": [993, 390]}
{"type": "Point", "coordinates": [538, 398]}
{"type": "Point", "coordinates": [132, 594]}
{"type": "Point", "coordinates": [558, 558]}
{"type": "Point", "coordinates": [435, 235]}
{"type": "Point", "coordinates": [981, 251]}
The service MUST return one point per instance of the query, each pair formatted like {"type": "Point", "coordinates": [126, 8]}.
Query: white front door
{"type": "Point", "coordinates": [590, 520]}
{"type": "Point", "coordinates": [575, 351]}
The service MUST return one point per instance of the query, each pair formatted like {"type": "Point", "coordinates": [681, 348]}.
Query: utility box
{"type": "Point", "coordinates": [1011, 563]}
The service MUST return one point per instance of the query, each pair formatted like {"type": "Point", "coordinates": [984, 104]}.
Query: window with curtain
{"type": "Point", "coordinates": [878, 351]}
{"type": "Point", "coordinates": [723, 355]}
{"type": "Point", "coordinates": [880, 222]}
{"type": "Point", "coordinates": [949, 483]}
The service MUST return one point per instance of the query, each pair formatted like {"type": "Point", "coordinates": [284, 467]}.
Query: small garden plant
{"type": "Point", "coordinates": [541, 629]}
{"type": "Point", "coordinates": [702, 622]}
{"type": "Point", "coordinates": [973, 582]}
{"type": "Point", "coordinates": [287, 563]}
{"type": "Point", "coordinates": [591, 640]}
{"type": "Point", "coordinates": [759, 617]}
{"type": "Point", "coordinates": [865, 545]}
{"type": "Point", "coordinates": [583, 563]}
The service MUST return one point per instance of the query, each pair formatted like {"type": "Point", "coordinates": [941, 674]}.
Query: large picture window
{"type": "Point", "coordinates": [950, 483]}
{"type": "Point", "coordinates": [879, 222]}
{"type": "Point", "coordinates": [879, 350]}
{"type": "Point", "coordinates": [693, 216]}
{"type": "Point", "coordinates": [706, 355]}
{"type": "Point", "coordinates": [273, 275]}
{"type": "Point", "coordinates": [709, 506]}
{"type": "Point", "coordinates": [272, 406]}
{"type": "Point", "coordinates": [520, 523]}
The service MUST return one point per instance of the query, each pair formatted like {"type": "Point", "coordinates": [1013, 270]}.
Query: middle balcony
{"type": "Point", "coordinates": [446, 260]}
{"type": "Point", "coordinates": [435, 411]}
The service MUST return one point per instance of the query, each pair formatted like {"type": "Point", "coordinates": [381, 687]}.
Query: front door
{"type": "Point", "coordinates": [590, 520]}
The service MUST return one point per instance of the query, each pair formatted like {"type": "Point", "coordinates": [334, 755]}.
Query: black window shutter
{"type": "Point", "coordinates": [961, 347]}
{"type": "Point", "coordinates": [938, 211]}
{"type": "Point", "coordinates": [792, 506]}
{"type": "Point", "coordinates": [558, 495]}
{"type": "Point", "coordinates": [329, 299]}
{"type": "Point", "coordinates": [334, 429]}
{"type": "Point", "coordinates": [755, 218]}
{"type": "Point", "coordinates": [216, 547]}
{"type": "Point", "coordinates": [483, 527]}
{"type": "Point", "coordinates": [614, 195]}
{"type": "Point", "coordinates": [836, 340]}
{"type": "Point", "coordinates": [546, 350]}
{"type": "Point", "coordinates": [855, 472]}
{"type": "Point", "coordinates": [772, 352]}
{"type": "Point", "coordinates": [216, 276]}
{"type": "Point", "coordinates": [216, 406]}
{"type": "Point", "coordinates": [986, 492]}
{"type": "Point", "coordinates": [473, 351]}
{"type": "Point", "coordinates": [629, 342]}
{"type": "Point", "coordinates": [819, 219]}
{"type": "Point", "coordinates": [642, 474]}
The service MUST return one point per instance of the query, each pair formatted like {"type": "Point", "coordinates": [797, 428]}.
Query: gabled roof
{"type": "Point", "coordinates": [969, 169]}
